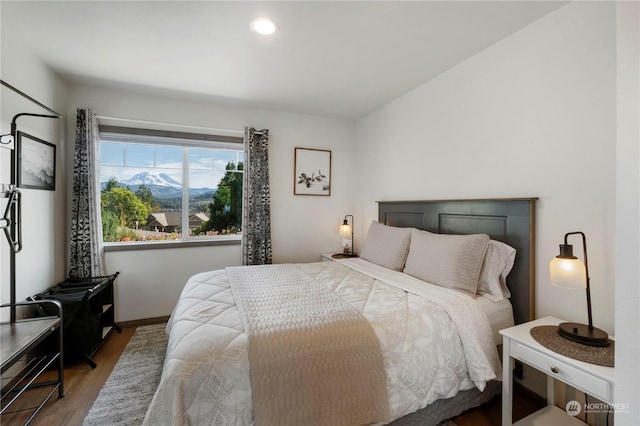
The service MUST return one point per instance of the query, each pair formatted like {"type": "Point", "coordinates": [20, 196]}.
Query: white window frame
{"type": "Point", "coordinates": [183, 139]}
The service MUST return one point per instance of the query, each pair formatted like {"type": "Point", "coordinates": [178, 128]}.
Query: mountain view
{"type": "Point", "coordinates": [146, 178]}
{"type": "Point", "coordinates": [161, 186]}
{"type": "Point", "coordinates": [151, 206]}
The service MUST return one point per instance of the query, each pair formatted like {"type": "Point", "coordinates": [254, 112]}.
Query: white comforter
{"type": "Point", "coordinates": [205, 379]}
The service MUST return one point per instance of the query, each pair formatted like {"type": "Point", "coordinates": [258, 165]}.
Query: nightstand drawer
{"type": "Point", "coordinates": [575, 377]}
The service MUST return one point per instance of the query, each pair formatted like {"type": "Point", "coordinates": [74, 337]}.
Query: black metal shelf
{"type": "Point", "coordinates": [19, 341]}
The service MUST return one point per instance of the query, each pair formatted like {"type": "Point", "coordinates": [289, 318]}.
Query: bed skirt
{"type": "Point", "coordinates": [443, 409]}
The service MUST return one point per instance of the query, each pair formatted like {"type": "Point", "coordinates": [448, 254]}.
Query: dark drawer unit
{"type": "Point", "coordinates": [23, 361]}
{"type": "Point", "coordinates": [88, 307]}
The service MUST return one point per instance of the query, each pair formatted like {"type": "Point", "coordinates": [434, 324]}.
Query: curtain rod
{"type": "Point", "coordinates": [130, 120]}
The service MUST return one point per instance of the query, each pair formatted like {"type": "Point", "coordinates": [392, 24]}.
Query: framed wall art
{"type": "Point", "coordinates": [36, 163]}
{"type": "Point", "coordinates": [312, 172]}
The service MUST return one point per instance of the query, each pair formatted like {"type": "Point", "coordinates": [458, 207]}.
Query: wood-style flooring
{"type": "Point", "coordinates": [82, 385]}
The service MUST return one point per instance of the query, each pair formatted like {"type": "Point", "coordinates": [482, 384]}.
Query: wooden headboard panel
{"type": "Point", "coordinates": [511, 221]}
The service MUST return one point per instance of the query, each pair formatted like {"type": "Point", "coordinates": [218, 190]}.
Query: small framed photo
{"type": "Point", "coordinates": [36, 163]}
{"type": "Point", "coordinates": [312, 172]}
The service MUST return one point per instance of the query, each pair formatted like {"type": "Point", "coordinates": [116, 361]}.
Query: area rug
{"type": "Point", "coordinates": [126, 395]}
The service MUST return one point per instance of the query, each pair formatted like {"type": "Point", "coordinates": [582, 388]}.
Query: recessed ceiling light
{"type": "Point", "coordinates": [263, 26]}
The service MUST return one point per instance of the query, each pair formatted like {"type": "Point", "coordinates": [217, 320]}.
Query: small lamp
{"type": "Point", "coordinates": [568, 271]}
{"type": "Point", "coordinates": [346, 230]}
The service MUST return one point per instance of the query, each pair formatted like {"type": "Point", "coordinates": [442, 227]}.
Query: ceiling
{"type": "Point", "coordinates": [333, 58]}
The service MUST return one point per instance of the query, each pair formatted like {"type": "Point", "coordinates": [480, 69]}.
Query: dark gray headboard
{"type": "Point", "coordinates": [511, 221]}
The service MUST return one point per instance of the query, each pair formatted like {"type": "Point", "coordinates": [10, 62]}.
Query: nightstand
{"type": "Point", "coordinates": [595, 380]}
{"type": "Point", "coordinates": [329, 257]}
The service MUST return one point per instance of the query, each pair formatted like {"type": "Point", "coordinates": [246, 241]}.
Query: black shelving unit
{"type": "Point", "coordinates": [88, 306]}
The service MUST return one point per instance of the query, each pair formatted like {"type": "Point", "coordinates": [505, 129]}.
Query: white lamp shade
{"type": "Point", "coordinates": [345, 230]}
{"type": "Point", "coordinates": [568, 273]}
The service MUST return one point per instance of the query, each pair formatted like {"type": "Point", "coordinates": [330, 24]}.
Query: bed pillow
{"type": "Point", "coordinates": [497, 264]}
{"type": "Point", "coordinates": [451, 261]}
{"type": "Point", "coordinates": [386, 246]}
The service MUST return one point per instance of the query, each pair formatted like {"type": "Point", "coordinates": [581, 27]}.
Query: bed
{"type": "Point", "coordinates": [386, 338]}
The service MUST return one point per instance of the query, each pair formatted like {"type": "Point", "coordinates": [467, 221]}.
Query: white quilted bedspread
{"type": "Point", "coordinates": [205, 379]}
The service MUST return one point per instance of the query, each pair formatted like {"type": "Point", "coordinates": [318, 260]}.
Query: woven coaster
{"type": "Point", "coordinates": [547, 336]}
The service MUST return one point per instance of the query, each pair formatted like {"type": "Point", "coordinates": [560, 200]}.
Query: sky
{"type": "Point", "coordinates": [124, 160]}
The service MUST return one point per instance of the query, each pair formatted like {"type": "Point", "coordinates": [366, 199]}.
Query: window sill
{"type": "Point", "coordinates": [156, 245]}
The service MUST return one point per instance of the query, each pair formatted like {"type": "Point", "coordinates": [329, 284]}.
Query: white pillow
{"type": "Point", "coordinates": [498, 262]}
{"type": "Point", "coordinates": [386, 246]}
{"type": "Point", "coordinates": [451, 261]}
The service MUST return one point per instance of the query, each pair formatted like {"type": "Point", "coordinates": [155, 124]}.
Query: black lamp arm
{"type": "Point", "coordinates": [586, 268]}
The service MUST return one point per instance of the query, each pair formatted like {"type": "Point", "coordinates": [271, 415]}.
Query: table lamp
{"type": "Point", "coordinates": [568, 271]}
{"type": "Point", "coordinates": [346, 231]}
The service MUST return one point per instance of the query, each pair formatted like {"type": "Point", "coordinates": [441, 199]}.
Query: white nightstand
{"type": "Point", "coordinates": [592, 379]}
{"type": "Point", "coordinates": [326, 257]}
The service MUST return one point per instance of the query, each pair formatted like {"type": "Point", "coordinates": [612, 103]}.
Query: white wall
{"type": "Point", "coordinates": [532, 116]}
{"type": "Point", "coordinates": [628, 215]}
{"type": "Point", "coordinates": [302, 226]}
{"type": "Point", "coordinates": [42, 262]}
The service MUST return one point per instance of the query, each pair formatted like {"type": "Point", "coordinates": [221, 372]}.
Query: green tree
{"type": "Point", "coordinates": [145, 195]}
{"type": "Point", "coordinates": [111, 183]}
{"type": "Point", "coordinates": [109, 226]}
{"type": "Point", "coordinates": [226, 208]}
{"type": "Point", "coordinates": [235, 202]}
{"type": "Point", "coordinates": [124, 204]}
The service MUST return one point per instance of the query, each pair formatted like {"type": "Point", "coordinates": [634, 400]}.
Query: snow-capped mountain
{"type": "Point", "coordinates": [161, 185]}
{"type": "Point", "coordinates": [146, 178]}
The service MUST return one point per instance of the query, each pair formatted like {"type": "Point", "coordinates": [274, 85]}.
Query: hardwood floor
{"type": "Point", "coordinates": [82, 385]}
{"type": "Point", "coordinates": [525, 402]}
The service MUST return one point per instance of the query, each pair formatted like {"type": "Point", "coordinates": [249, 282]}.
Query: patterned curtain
{"type": "Point", "coordinates": [86, 252]}
{"type": "Point", "coordinates": [256, 214]}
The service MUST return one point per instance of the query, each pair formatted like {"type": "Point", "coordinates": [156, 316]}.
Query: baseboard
{"type": "Point", "coordinates": [144, 321]}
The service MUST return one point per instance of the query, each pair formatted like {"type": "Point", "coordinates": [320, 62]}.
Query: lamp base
{"type": "Point", "coordinates": [581, 333]}
{"type": "Point", "coordinates": [344, 255]}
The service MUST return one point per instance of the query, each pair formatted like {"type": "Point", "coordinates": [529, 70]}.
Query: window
{"type": "Point", "coordinates": [159, 186]}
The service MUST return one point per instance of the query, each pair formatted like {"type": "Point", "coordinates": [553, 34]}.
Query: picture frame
{"type": "Point", "coordinates": [36, 163]}
{"type": "Point", "coordinates": [312, 172]}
